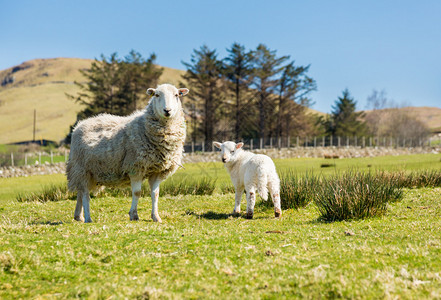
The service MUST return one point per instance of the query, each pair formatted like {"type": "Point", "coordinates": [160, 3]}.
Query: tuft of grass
{"type": "Point", "coordinates": [355, 195]}
{"type": "Point", "coordinates": [201, 186]}
{"type": "Point", "coordinates": [53, 192]}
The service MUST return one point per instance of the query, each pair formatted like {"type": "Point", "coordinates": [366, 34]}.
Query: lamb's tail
{"type": "Point", "coordinates": [262, 183]}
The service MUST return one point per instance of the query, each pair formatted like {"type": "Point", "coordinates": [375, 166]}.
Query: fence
{"type": "Point", "coordinates": [21, 158]}
{"type": "Point", "coordinates": [324, 141]}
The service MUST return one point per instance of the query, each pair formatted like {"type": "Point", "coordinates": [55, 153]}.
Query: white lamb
{"type": "Point", "coordinates": [109, 150]}
{"type": "Point", "coordinates": [251, 172]}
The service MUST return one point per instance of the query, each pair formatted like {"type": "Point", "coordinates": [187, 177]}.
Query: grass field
{"type": "Point", "coordinates": [201, 251]}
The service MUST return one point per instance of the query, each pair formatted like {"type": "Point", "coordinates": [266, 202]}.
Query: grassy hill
{"type": "Point", "coordinates": [42, 84]}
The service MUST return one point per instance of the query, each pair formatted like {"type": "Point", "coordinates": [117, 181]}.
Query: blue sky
{"type": "Point", "coordinates": [359, 45]}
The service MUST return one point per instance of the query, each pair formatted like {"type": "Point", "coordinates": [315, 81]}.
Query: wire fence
{"type": "Point", "coordinates": [38, 158]}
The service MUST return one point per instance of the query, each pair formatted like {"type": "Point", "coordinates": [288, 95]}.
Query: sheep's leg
{"type": "Point", "coordinates": [86, 200]}
{"type": "Point", "coordinates": [154, 188]}
{"type": "Point", "coordinates": [239, 193]}
{"type": "Point", "coordinates": [79, 208]}
{"type": "Point", "coordinates": [136, 184]}
{"type": "Point", "coordinates": [251, 200]}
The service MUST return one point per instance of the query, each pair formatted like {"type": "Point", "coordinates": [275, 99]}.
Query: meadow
{"type": "Point", "coordinates": [202, 251]}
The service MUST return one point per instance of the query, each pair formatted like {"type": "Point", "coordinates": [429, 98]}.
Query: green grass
{"type": "Point", "coordinates": [201, 251]}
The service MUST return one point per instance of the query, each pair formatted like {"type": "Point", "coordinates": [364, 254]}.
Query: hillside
{"type": "Point", "coordinates": [42, 84]}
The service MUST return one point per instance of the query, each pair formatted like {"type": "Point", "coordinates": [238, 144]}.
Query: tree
{"type": "Point", "coordinates": [204, 76]}
{"type": "Point", "coordinates": [115, 86]}
{"type": "Point", "coordinates": [344, 120]}
{"type": "Point", "coordinates": [238, 70]}
{"type": "Point", "coordinates": [266, 68]}
{"type": "Point", "coordinates": [293, 86]}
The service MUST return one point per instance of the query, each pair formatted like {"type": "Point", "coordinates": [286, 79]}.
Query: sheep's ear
{"type": "Point", "coordinates": [217, 145]}
{"type": "Point", "coordinates": [151, 91]}
{"type": "Point", "coordinates": [238, 146]}
{"type": "Point", "coordinates": [183, 91]}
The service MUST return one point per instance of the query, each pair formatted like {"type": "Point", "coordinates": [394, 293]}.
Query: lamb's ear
{"type": "Point", "coordinates": [151, 91]}
{"type": "Point", "coordinates": [238, 146]}
{"type": "Point", "coordinates": [217, 145]}
{"type": "Point", "coordinates": [183, 91]}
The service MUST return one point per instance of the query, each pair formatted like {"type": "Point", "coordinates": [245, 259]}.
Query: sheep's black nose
{"type": "Point", "coordinates": [167, 112]}
{"type": "Point", "coordinates": [224, 159]}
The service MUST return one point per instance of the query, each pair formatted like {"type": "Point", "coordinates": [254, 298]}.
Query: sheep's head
{"type": "Point", "coordinates": [166, 100]}
{"type": "Point", "coordinates": [229, 150]}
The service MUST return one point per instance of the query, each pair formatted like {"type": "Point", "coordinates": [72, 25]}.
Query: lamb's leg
{"type": "Point", "coordinates": [251, 200]}
{"type": "Point", "coordinates": [136, 184]}
{"type": "Point", "coordinates": [79, 208]}
{"type": "Point", "coordinates": [86, 200]}
{"type": "Point", "coordinates": [275, 196]}
{"type": "Point", "coordinates": [239, 193]}
{"type": "Point", "coordinates": [154, 188]}
{"type": "Point", "coordinates": [276, 200]}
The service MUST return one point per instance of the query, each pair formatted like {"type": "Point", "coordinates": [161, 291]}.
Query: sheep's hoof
{"type": "Point", "coordinates": [133, 216]}
{"type": "Point", "coordinates": [88, 220]}
{"type": "Point", "coordinates": [278, 213]}
{"type": "Point", "coordinates": [249, 216]}
{"type": "Point", "coordinates": [79, 218]}
{"type": "Point", "coordinates": [156, 219]}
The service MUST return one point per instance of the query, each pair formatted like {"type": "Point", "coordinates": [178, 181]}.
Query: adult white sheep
{"type": "Point", "coordinates": [251, 172]}
{"type": "Point", "coordinates": [108, 150]}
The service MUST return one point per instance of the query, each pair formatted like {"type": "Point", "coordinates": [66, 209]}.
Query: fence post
{"type": "Point", "coordinates": [261, 143]}
{"type": "Point", "coordinates": [280, 143]}
{"type": "Point", "coordinates": [39, 158]}
{"type": "Point", "coordinates": [315, 142]}
{"type": "Point", "coordinates": [297, 142]}
{"type": "Point", "coordinates": [26, 159]}
{"type": "Point", "coordinates": [52, 158]}
{"type": "Point", "coordinates": [356, 142]}
{"type": "Point", "coordinates": [347, 142]}
{"type": "Point", "coordinates": [12, 159]}
{"type": "Point", "coordinates": [65, 155]}
{"type": "Point", "coordinates": [338, 141]}
{"type": "Point", "coordinates": [331, 143]}
{"type": "Point", "coordinates": [287, 142]}
{"type": "Point", "coordinates": [404, 143]}
{"type": "Point", "coordinates": [251, 144]}
{"type": "Point", "coordinates": [364, 142]}
{"type": "Point", "coordinates": [370, 141]}
{"type": "Point", "coordinates": [203, 146]}
{"type": "Point", "coordinates": [323, 141]}
{"type": "Point", "coordinates": [271, 143]}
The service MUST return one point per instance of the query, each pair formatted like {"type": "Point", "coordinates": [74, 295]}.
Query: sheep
{"type": "Point", "coordinates": [251, 172]}
{"type": "Point", "coordinates": [109, 150]}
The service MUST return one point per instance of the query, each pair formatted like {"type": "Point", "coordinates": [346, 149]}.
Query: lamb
{"type": "Point", "coordinates": [109, 150]}
{"type": "Point", "coordinates": [251, 172]}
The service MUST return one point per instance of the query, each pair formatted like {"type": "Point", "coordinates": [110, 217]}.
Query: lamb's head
{"type": "Point", "coordinates": [166, 100]}
{"type": "Point", "coordinates": [229, 150]}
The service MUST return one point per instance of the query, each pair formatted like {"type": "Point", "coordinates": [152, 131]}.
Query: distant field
{"type": "Point", "coordinates": [201, 251]}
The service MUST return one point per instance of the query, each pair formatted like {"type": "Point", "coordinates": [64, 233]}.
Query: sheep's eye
{"type": "Point", "coordinates": [232, 152]}
{"type": "Point", "coordinates": [176, 95]}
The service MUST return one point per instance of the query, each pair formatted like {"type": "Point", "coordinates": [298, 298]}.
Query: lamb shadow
{"type": "Point", "coordinates": [210, 215]}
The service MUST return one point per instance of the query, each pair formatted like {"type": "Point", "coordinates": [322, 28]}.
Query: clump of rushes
{"type": "Point", "coordinates": [297, 192]}
{"type": "Point", "coordinates": [355, 195]}
{"type": "Point", "coordinates": [49, 193]}
{"type": "Point", "coordinates": [418, 179]}
{"type": "Point", "coordinates": [203, 186]}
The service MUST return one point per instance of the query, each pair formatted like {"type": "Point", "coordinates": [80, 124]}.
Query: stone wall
{"type": "Point", "coordinates": [323, 152]}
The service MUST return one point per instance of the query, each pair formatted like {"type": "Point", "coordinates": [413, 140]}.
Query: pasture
{"type": "Point", "coordinates": [201, 251]}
